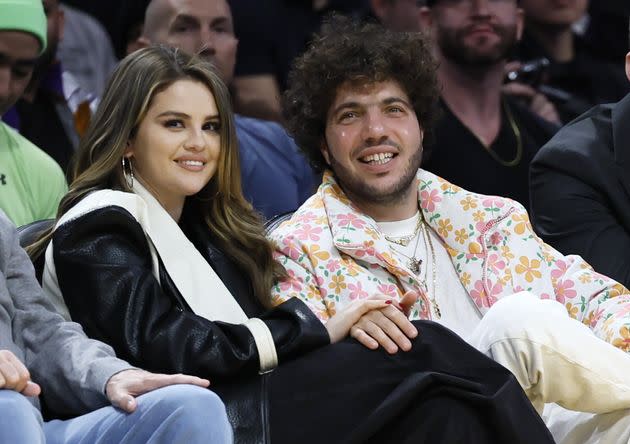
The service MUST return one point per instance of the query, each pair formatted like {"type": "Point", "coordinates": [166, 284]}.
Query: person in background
{"type": "Point", "coordinates": [490, 134]}
{"type": "Point", "coordinates": [54, 110]}
{"type": "Point", "coordinates": [577, 77]}
{"type": "Point", "coordinates": [271, 34]}
{"type": "Point", "coordinates": [31, 182]}
{"type": "Point", "coordinates": [86, 50]}
{"type": "Point", "coordinates": [398, 15]}
{"type": "Point", "coordinates": [580, 188]}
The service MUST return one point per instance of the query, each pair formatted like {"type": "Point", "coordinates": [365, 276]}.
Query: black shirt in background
{"type": "Point", "coordinates": [458, 156]}
{"type": "Point", "coordinates": [40, 122]}
{"type": "Point", "coordinates": [272, 33]}
{"type": "Point", "coordinates": [587, 80]}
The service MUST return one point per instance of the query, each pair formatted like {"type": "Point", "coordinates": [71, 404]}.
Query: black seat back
{"type": "Point", "coordinates": [27, 234]}
{"type": "Point", "coordinates": [275, 221]}
{"type": "Point", "coordinates": [30, 232]}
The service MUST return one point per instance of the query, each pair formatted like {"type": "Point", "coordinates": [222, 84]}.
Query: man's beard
{"type": "Point", "coordinates": [451, 43]}
{"type": "Point", "coordinates": [359, 190]}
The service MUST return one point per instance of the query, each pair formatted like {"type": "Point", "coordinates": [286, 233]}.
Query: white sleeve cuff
{"type": "Point", "coordinates": [264, 343]}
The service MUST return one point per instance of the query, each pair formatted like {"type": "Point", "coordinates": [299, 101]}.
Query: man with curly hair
{"type": "Point", "coordinates": [360, 103]}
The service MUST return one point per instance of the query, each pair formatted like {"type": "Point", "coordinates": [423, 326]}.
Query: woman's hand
{"type": "Point", "coordinates": [379, 320]}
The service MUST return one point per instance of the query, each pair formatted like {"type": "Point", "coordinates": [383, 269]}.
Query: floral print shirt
{"type": "Point", "coordinates": [330, 249]}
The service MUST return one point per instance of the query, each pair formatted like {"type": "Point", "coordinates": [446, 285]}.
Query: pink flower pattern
{"type": "Point", "coordinates": [306, 232]}
{"type": "Point", "coordinates": [333, 265]}
{"type": "Point", "coordinates": [351, 220]}
{"type": "Point", "coordinates": [388, 289]}
{"type": "Point", "coordinates": [564, 290]}
{"type": "Point", "coordinates": [357, 291]}
{"type": "Point", "coordinates": [429, 199]}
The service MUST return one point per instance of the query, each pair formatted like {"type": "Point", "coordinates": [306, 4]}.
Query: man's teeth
{"type": "Point", "coordinates": [191, 162]}
{"type": "Point", "coordinates": [378, 159]}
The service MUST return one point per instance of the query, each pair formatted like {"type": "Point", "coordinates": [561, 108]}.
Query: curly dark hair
{"type": "Point", "coordinates": [362, 53]}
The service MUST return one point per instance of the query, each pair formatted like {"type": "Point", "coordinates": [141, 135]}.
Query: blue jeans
{"type": "Point", "coordinates": [173, 414]}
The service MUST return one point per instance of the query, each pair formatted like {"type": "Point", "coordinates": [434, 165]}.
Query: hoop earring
{"type": "Point", "coordinates": [127, 169]}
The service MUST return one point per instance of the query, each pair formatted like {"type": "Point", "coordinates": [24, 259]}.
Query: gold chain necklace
{"type": "Point", "coordinates": [517, 136]}
{"type": "Point", "coordinates": [404, 240]}
{"type": "Point", "coordinates": [428, 243]}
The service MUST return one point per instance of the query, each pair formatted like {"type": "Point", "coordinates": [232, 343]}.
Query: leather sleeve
{"type": "Point", "coordinates": [104, 269]}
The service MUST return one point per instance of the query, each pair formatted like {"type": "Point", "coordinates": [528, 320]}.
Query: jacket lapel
{"type": "Point", "coordinates": [357, 235]}
{"type": "Point", "coordinates": [621, 139]}
{"type": "Point", "coordinates": [469, 226]}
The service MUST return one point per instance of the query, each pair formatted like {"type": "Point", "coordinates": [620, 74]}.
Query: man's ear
{"type": "Point", "coordinates": [379, 8]}
{"type": "Point", "coordinates": [62, 23]}
{"type": "Point", "coordinates": [628, 65]}
{"type": "Point", "coordinates": [520, 23]}
{"type": "Point", "coordinates": [139, 43]}
{"type": "Point", "coordinates": [426, 19]}
{"type": "Point", "coordinates": [324, 150]}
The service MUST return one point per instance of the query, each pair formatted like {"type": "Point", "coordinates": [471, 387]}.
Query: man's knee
{"type": "Point", "coordinates": [519, 316]}
{"type": "Point", "coordinates": [19, 420]}
{"type": "Point", "coordinates": [197, 407]}
{"type": "Point", "coordinates": [184, 396]}
{"type": "Point", "coordinates": [10, 399]}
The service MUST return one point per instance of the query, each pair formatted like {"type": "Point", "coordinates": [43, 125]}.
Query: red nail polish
{"type": "Point", "coordinates": [388, 301]}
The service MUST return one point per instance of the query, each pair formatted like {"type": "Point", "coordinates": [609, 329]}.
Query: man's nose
{"type": "Point", "coordinates": [374, 127]}
{"type": "Point", "coordinates": [207, 44]}
{"type": "Point", "coordinates": [479, 7]}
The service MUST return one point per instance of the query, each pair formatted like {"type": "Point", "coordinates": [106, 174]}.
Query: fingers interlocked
{"type": "Point", "coordinates": [387, 327]}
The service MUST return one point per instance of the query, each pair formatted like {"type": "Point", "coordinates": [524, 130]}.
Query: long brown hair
{"type": "Point", "coordinates": [236, 227]}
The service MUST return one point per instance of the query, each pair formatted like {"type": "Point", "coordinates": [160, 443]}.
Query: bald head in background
{"type": "Point", "coordinates": [195, 26]}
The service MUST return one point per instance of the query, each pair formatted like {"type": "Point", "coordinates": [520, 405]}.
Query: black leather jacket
{"type": "Point", "coordinates": [104, 268]}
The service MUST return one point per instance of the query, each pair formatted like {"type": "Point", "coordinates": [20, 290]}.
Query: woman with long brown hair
{"type": "Point", "coordinates": [156, 252]}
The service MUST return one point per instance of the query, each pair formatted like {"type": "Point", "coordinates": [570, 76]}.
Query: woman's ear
{"type": "Point", "coordinates": [128, 149]}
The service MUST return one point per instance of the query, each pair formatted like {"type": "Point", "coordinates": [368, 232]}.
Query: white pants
{"type": "Point", "coordinates": [559, 361]}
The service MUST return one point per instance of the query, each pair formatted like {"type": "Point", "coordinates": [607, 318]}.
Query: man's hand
{"type": "Point", "coordinates": [538, 103]}
{"type": "Point", "coordinates": [123, 387]}
{"type": "Point", "coordinates": [15, 376]}
{"type": "Point", "coordinates": [379, 320]}
{"type": "Point", "coordinates": [388, 327]}
{"type": "Point", "coordinates": [340, 324]}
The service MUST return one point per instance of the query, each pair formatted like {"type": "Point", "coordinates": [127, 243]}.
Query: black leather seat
{"type": "Point", "coordinates": [275, 221]}
{"type": "Point", "coordinates": [28, 233]}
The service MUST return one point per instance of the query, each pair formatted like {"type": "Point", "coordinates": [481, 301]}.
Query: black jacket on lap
{"type": "Point", "coordinates": [580, 189]}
